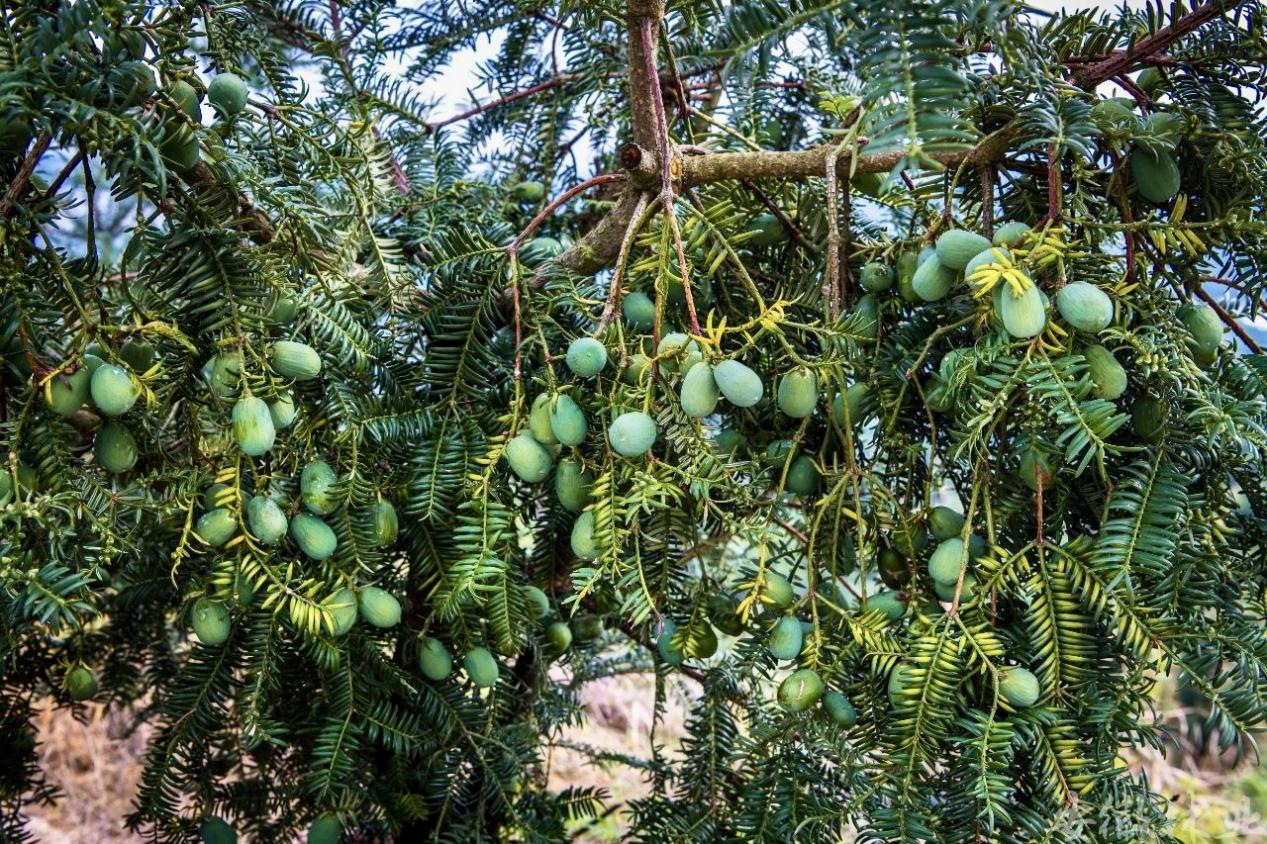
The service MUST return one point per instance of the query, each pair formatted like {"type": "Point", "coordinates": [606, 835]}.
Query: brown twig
{"type": "Point", "coordinates": [553, 82]}
{"type": "Point", "coordinates": [601, 179]}
{"type": "Point", "coordinates": [778, 212]}
{"type": "Point", "coordinates": [1228, 320]}
{"type": "Point", "coordinates": [18, 186]}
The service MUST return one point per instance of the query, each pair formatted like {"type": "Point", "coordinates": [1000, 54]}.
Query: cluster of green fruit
{"type": "Point", "coordinates": [1153, 141]}
{"type": "Point", "coordinates": [113, 389]}
{"type": "Point", "coordinates": [180, 143]}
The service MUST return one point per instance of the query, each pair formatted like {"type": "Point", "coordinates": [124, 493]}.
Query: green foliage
{"type": "Point", "coordinates": [300, 413]}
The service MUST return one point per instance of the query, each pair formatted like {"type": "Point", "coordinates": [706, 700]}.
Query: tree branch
{"type": "Point", "coordinates": [1088, 76]}
{"type": "Point", "coordinates": [18, 187]}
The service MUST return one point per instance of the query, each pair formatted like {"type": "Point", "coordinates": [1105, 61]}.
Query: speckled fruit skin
{"type": "Point", "coordinates": [740, 385]}
{"type": "Point", "coordinates": [1085, 306]}
{"type": "Point", "coordinates": [527, 458]}
{"type": "Point", "coordinates": [800, 690]}
{"type": "Point", "coordinates": [586, 357]}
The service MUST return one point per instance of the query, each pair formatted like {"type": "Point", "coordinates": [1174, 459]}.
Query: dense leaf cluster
{"type": "Point", "coordinates": [335, 246]}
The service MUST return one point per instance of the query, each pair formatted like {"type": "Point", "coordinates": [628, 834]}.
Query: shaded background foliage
{"type": "Point", "coordinates": [389, 226]}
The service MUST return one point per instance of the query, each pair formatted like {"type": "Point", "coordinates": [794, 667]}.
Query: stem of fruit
{"type": "Point", "coordinates": [613, 295]}
{"type": "Point", "coordinates": [664, 150]}
{"type": "Point", "coordinates": [1228, 320]}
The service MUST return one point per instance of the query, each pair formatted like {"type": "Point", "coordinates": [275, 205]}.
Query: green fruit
{"type": "Point", "coordinates": [266, 520]}
{"type": "Point", "coordinates": [221, 374]}
{"type": "Point", "coordinates": [587, 627]}
{"type": "Point", "coordinates": [1010, 234]}
{"type": "Point", "coordinates": [91, 361]}
{"type": "Point", "coordinates": [135, 81]}
{"type": "Point", "coordinates": [295, 360]}
{"type": "Point", "coordinates": [766, 230]}
{"type": "Point", "coordinates": [802, 476]}
{"type": "Point", "coordinates": [138, 354]}
{"type": "Point", "coordinates": [572, 485]}
{"type": "Point", "coordinates": [186, 98]}
{"type": "Point", "coordinates": [993, 255]}
{"type": "Point", "coordinates": [540, 250]}
{"type": "Point", "coordinates": [216, 527]}
{"type": "Point", "coordinates": [637, 369]}
{"type": "Point", "coordinates": [1156, 175]}
{"type": "Point", "coordinates": [1020, 687]}
{"type": "Point", "coordinates": [638, 311]}
{"type": "Point", "coordinates": [81, 683]}
{"type": "Point", "coordinates": [253, 426]}
{"type": "Point", "coordinates": [216, 496]}
{"type": "Point", "coordinates": [1166, 127]}
{"type": "Point", "coordinates": [211, 621]}
{"type": "Point", "coordinates": [727, 441]}
{"type": "Point", "coordinates": [876, 277]}
{"type": "Point", "coordinates": [342, 606]}
{"type": "Point", "coordinates": [943, 565]}
{"type": "Point", "coordinates": [945, 523]}
{"type": "Point", "coordinates": [892, 565]}
{"type": "Point", "coordinates": [870, 184]}
{"type": "Point", "coordinates": [216, 831]}
{"type": "Point", "coordinates": [1148, 417]}
{"type": "Point", "coordinates": [583, 542]}
{"type": "Point", "coordinates": [538, 602]}
{"type": "Point", "coordinates": [527, 458]}
{"type": "Point", "coordinates": [900, 681]}
{"type": "Point", "coordinates": [798, 393]}
{"type": "Point", "coordinates": [777, 453]}
{"type": "Point", "coordinates": [283, 310]}
{"type": "Point", "coordinates": [670, 653]}
{"type": "Point", "coordinates": [586, 356]}
{"type": "Point", "coordinates": [114, 448]}
{"type": "Point", "coordinates": [313, 536]}
{"type": "Point", "coordinates": [1023, 316]}
{"type": "Point", "coordinates": [1085, 306]}
{"type": "Point", "coordinates": [434, 660]}
{"type": "Point", "coordinates": [704, 642]}
{"type": "Point", "coordinates": [631, 434]}
{"type": "Point", "coordinates": [379, 607]}
{"type": "Point", "coordinates": [567, 421]}
{"type": "Point", "coordinates": [386, 522]}
{"type": "Point", "coordinates": [848, 409]}
{"type": "Point", "coordinates": [946, 591]}
{"type": "Point", "coordinates": [673, 350]}
{"type": "Point", "coordinates": [1106, 373]}
{"type": "Point", "coordinates": [740, 385]}
{"type": "Point", "coordinates": [907, 264]}
{"type": "Point", "coordinates": [786, 639]}
{"type": "Point", "coordinates": [179, 148]}
{"type": "Point", "coordinates": [282, 411]}
{"type": "Point", "coordinates": [1206, 328]}
{"type": "Point", "coordinates": [528, 191]}
{"type": "Point", "coordinates": [955, 248]}
{"type": "Point", "coordinates": [539, 421]}
{"type": "Point", "coordinates": [1115, 117]}
{"type": "Point", "coordinates": [932, 280]}
{"type": "Point", "coordinates": [699, 393]}
{"type": "Point", "coordinates": [866, 314]}
{"type": "Point", "coordinates": [317, 487]}
{"type": "Point", "coordinates": [559, 635]}
{"type": "Point", "coordinates": [227, 94]}
{"type": "Point", "coordinates": [114, 390]}
{"type": "Point", "coordinates": [65, 394]}
{"type": "Point", "coordinates": [776, 591]}
{"type": "Point", "coordinates": [1150, 81]}
{"type": "Point", "coordinates": [888, 603]}
{"type": "Point", "coordinates": [481, 667]}
{"type": "Point", "coordinates": [800, 690]}
{"type": "Point", "coordinates": [839, 709]}
{"type": "Point", "coordinates": [723, 612]}
{"type": "Point", "coordinates": [325, 830]}
{"type": "Point", "coordinates": [1035, 471]}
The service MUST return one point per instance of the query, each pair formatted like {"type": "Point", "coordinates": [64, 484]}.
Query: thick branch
{"type": "Point", "coordinates": [1090, 75]}
{"type": "Point", "coordinates": [18, 187]}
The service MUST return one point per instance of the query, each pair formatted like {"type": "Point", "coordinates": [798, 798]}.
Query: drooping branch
{"type": "Point", "coordinates": [475, 111]}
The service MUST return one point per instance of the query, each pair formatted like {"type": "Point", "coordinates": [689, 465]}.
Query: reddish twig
{"type": "Point", "coordinates": [601, 179]}
{"type": "Point", "coordinates": [18, 187]}
{"type": "Point", "coordinates": [783, 218]}
{"type": "Point", "coordinates": [1228, 320]}
{"type": "Point", "coordinates": [553, 82]}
